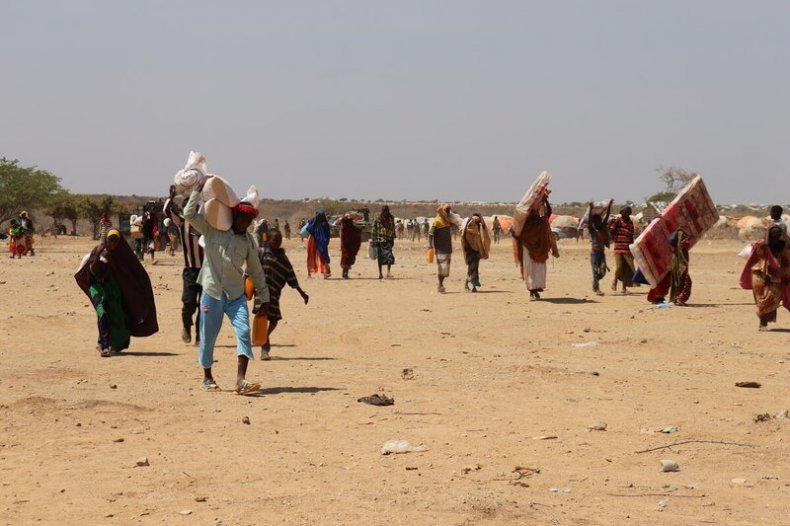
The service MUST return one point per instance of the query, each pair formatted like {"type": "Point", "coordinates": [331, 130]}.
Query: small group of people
{"type": "Point", "coordinates": [20, 235]}
{"type": "Point", "coordinates": [317, 231]}
{"type": "Point", "coordinates": [766, 273]}
{"type": "Point", "coordinates": [145, 232]}
{"type": "Point", "coordinates": [214, 274]}
{"type": "Point", "coordinates": [621, 232]}
{"type": "Point", "coordinates": [475, 245]}
{"type": "Point", "coordinates": [531, 246]}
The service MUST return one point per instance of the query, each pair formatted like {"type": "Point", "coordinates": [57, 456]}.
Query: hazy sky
{"type": "Point", "coordinates": [423, 99]}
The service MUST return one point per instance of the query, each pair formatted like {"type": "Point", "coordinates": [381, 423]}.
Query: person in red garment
{"type": "Point", "coordinates": [767, 274]}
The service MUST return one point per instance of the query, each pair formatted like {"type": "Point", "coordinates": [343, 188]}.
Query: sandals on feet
{"type": "Point", "coordinates": [246, 387]}
{"type": "Point", "coordinates": [210, 385]}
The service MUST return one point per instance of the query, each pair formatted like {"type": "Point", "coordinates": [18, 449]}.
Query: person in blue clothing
{"type": "Point", "coordinates": [228, 255]}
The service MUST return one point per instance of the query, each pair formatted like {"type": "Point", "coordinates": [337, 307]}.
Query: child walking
{"type": "Point", "coordinates": [278, 271]}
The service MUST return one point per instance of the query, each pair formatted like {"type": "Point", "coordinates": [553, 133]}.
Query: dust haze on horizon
{"type": "Point", "coordinates": [447, 100]}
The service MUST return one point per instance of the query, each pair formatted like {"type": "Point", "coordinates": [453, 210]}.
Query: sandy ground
{"type": "Point", "coordinates": [490, 373]}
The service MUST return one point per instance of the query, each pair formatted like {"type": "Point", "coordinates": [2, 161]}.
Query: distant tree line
{"type": "Point", "coordinates": [29, 188]}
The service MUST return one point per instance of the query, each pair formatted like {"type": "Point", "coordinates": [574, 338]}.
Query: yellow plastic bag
{"type": "Point", "coordinates": [260, 329]}
{"type": "Point", "coordinates": [429, 254]}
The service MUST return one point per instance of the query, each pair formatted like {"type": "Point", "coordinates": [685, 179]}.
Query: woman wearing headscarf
{"type": "Point", "coordinates": [440, 239]}
{"type": "Point", "coordinates": [17, 245]}
{"type": "Point", "coordinates": [767, 273]}
{"type": "Point", "coordinates": [27, 226]}
{"type": "Point", "coordinates": [533, 245]}
{"type": "Point", "coordinates": [383, 236]}
{"type": "Point", "coordinates": [120, 290]}
{"type": "Point", "coordinates": [476, 244]}
{"type": "Point", "coordinates": [350, 241]}
{"type": "Point", "coordinates": [318, 231]}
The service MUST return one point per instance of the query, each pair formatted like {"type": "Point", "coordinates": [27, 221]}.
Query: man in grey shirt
{"type": "Point", "coordinates": [227, 255]}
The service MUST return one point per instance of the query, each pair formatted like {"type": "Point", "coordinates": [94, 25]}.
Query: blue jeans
{"type": "Point", "coordinates": [211, 321]}
{"type": "Point", "coordinates": [598, 264]}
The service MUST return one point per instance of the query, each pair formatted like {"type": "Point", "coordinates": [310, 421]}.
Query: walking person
{"type": "Point", "coordinates": [416, 232]}
{"type": "Point", "coordinates": [767, 274]}
{"type": "Point", "coordinates": [383, 236]}
{"type": "Point", "coordinates": [228, 253]}
{"type": "Point", "coordinates": [440, 239]}
{"type": "Point", "coordinates": [318, 233]}
{"type": "Point", "coordinates": [496, 227]}
{"type": "Point", "coordinates": [149, 228]}
{"type": "Point", "coordinates": [287, 230]}
{"type": "Point", "coordinates": [677, 282]}
{"type": "Point", "coordinates": [120, 290]}
{"type": "Point", "coordinates": [136, 230]}
{"type": "Point", "coordinates": [533, 246]}
{"type": "Point", "coordinates": [191, 289]}
{"type": "Point", "coordinates": [172, 235]}
{"type": "Point", "coordinates": [599, 242]}
{"type": "Point", "coordinates": [476, 245]}
{"type": "Point", "coordinates": [27, 231]}
{"type": "Point", "coordinates": [16, 243]}
{"type": "Point", "coordinates": [278, 271]}
{"type": "Point", "coordinates": [622, 234]}
{"type": "Point", "coordinates": [350, 241]}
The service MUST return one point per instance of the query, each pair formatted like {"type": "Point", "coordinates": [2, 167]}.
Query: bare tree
{"type": "Point", "coordinates": [674, 178]}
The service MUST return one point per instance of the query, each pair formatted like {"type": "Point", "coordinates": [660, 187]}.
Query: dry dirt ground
{"type": "Point", "coordinates": [490, 374]}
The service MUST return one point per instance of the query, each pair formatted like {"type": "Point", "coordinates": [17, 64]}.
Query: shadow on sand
{"type": "Point", "coordinates": [565, 301]}
{"type": "Point", "coordinates": [291, 390]}
{"type": "Point", "coordinates": [715, 305]}
{"type": "Point", "coordinates": [143, 353]}
{"type": "Point", "coordinates": [304, 358]}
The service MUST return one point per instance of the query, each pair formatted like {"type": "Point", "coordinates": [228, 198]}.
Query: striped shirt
{"type": "Point", "coordinates": [278, 271]}
{"type": "Point", "coordinates": [193, 252]}
{"type": "Point", "coordinates": [622, 235]}
{"type": "Point", "coordinates": [104, 227]}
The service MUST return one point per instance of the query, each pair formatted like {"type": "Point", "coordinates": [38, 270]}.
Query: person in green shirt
{"type": "Point", "coordinates": [228, 255]}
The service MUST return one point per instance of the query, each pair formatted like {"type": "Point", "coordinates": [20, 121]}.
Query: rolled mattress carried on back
{"type": "Point", "coordinates": [693, 211]}
{"type": "Point", "coordinates": [532, 200]}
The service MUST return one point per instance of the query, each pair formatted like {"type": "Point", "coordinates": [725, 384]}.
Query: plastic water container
{"type": "Point", "coordinates": [429, 255]}
{"type": "Point", "coordinates": [260, 329]}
